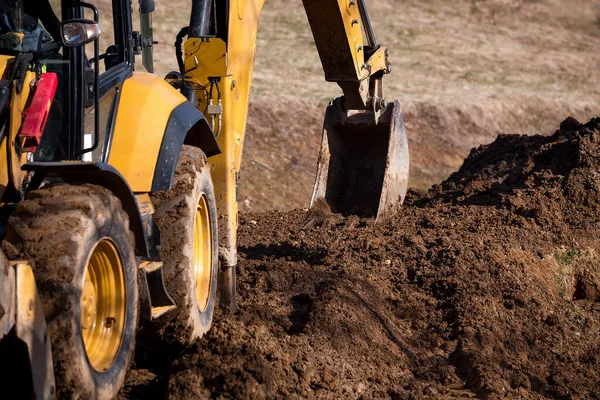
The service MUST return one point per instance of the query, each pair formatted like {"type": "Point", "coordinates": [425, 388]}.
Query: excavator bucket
{"type": "Point", "coordinates": [363, 162]}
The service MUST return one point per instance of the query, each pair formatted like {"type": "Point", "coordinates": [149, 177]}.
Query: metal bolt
{"type": "Point", "coordinates": [389, 68]}
{"type": "Point", "coordinates": [387, 52]}
{"type": "Point", "coordinates": [233, 84]}
{"type": "Point", "coordinates": [109, 322]}
{"type": "Point", "coordinates": [383, 104]}
{"type": "Point", "coordinates": [352, 3]}
{"type": "Point", "coordinates": [359, 48]}
{"type": "Point", "coordinates": [364, 66]}
{"type": "Point", "coordinates": [31, 305]}
{"type": "Point", "coordinates": [354, 22]}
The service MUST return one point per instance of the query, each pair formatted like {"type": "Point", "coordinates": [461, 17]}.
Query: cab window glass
{"type": "Point", "coordinates": [107, 104]}
{"type": "Point", "coordinates": [111, 41]}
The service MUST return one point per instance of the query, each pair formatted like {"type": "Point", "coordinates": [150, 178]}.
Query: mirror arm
{"type": "Point", "coordinates": [90, 7]}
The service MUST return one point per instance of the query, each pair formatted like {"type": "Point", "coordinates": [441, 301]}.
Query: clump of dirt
{"type": "Point", "coordinates": [486, 286]}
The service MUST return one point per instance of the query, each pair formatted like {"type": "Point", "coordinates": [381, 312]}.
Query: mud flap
{"type": "Point", "coordinates": [363, 162]}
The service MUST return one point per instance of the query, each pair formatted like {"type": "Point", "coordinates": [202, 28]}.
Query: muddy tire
{"type": "Point", "coordinates": [189, 253]}
{"type": "Point", "coordinates": [77, 237]}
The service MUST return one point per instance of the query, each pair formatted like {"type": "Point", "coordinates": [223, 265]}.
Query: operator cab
{"type": "Point", "coordinates": [92, 53]}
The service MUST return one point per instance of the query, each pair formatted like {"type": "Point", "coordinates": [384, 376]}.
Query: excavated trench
{"type": "Point", "coordinates": [486, 286]}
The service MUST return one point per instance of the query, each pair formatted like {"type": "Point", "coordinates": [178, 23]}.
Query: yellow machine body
{"type": "Point", "coordinates": [145, 106]}
{"type": "Point", "coordinates": [233, 64]}
{"type": "Point", "coordinates": [220, 70]}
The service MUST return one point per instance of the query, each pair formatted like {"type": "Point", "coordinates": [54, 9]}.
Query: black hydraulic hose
{"type": "Point", "coordinates": [178, 50]}
{"type": "Point", "coordinates": [364, 14]}
{"type": "Point", "coordinates": [18, 16]}
{"type": "Point", "coordinates": [200, 19]}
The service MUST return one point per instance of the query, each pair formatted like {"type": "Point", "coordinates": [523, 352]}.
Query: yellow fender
{"type": "Point", "coordinates": [153, 121]}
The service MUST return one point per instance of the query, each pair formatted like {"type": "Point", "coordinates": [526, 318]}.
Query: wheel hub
{"type": "Point", "coordinates": [203, 253]}
{"type": "Point", "coordinates": [103, 305]}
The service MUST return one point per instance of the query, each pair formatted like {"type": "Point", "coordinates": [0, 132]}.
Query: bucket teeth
{"type": "Point", "coordinates": [363, 162]}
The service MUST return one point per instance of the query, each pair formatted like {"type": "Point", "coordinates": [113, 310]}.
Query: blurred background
{"type": "Point", "coordinates": [464, 72]}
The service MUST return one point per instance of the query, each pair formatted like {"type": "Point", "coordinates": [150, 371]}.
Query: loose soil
{"type": "Point", "coordinates": [486, 286]}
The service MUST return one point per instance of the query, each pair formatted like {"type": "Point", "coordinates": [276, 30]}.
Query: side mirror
{"type": "Point", "coordinates": [77, 32]}
{"type": "Point", "coordinates": [147, 6]}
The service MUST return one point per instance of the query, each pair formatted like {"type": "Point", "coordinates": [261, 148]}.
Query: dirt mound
{"type": "Point", "coordinates": [487, 286]}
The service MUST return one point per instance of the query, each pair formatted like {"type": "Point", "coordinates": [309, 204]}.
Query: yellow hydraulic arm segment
{"type": "Point", "coordinates": [337, 28]}
{"type": "Point", "coordinates": [363, 163]}
{"type": "Point", "coordinates": [222, 72]}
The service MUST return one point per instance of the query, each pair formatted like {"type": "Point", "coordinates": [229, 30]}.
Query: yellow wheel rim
{"type": "Point", "coordinates": [103, 305]}
{"type": "Point", "coordinates": [203, 255]}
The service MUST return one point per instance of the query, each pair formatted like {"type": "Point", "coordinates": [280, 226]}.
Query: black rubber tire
{"type": "Point", "coordinates": [57, 227]}
{"type": "Point", "coordinates": [174, 214]}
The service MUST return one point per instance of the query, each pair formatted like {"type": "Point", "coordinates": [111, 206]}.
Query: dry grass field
{"type": "Point", "coordinates": [466, 51]}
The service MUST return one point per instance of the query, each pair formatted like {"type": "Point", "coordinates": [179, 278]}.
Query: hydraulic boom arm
{"type": "Point", "coordinates": [363, 162]}
{"type": "Point", "coordinates": [357, 67]}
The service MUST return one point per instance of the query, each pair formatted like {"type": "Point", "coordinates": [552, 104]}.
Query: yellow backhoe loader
{"type": "Point", "coordinates": [118, 189]}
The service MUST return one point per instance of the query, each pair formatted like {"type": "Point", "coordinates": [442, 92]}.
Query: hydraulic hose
{"type": "Point", "coordinates": [364, 14]}
{"type": "Point", "coordinates": [178, 51]}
